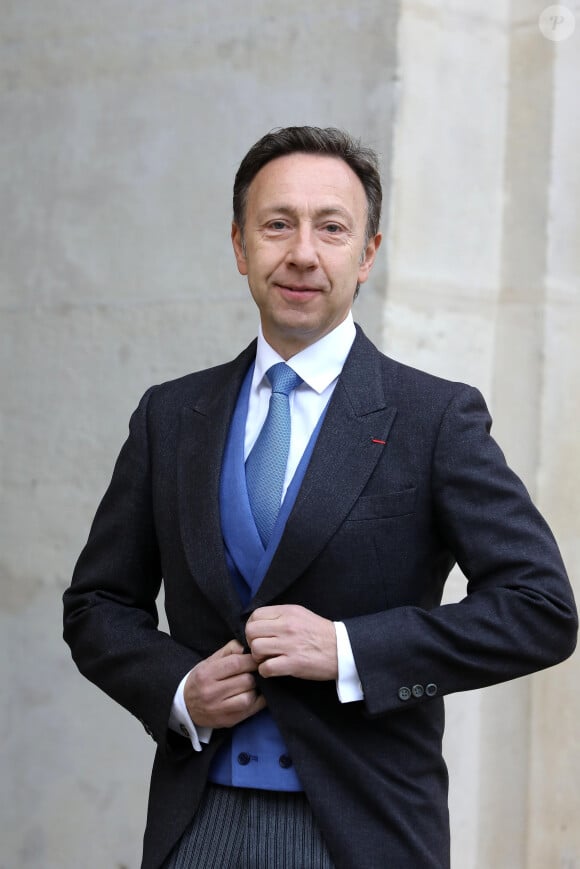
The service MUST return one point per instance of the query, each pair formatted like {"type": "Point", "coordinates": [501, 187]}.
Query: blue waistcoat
{"type": "Point", "coordinates": [255, 756]}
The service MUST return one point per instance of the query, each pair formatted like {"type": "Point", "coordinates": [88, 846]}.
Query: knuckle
{"type": "Point", "coordinates": [247, 700]}
{"type": "Point", "coordinates": [200, 672]}
{"type": "Point", "coordinates": [195, 683]}
{"type": "Point", "coordinates": [248, 683]}
{"type": "Point", "coordinates": [265, 668]}
{"type": "Point", "coordinates": [231, 666]}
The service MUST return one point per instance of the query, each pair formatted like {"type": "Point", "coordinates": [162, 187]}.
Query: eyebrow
{"type": "Point", "coordinates": [328, 211]}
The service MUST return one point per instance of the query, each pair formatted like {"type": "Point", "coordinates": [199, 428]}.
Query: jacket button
{"type": "Point", "coordinates": [418, 691]}
{"type": "Point", "coordinates": [285, 761]}
{"type": "Point", "coordinates": [431, 689]}
{"type": "Point", "coordinates": [404, 693]}
{"type": "Point", "coordinates": [243, 758]}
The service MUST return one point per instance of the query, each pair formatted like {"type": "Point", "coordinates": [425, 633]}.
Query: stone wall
{"type": "Point", "coordinates": [122, 127]}
{"type": "Point", "coordinates": [483, 286]}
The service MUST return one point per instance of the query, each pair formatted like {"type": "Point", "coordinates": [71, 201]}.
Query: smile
{"type": "Point", "coordinates": [298, 290]}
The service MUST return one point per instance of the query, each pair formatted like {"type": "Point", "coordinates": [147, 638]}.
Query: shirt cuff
{"type": "Point", "coordinates": [180, 720]}
{"type": "Point", "coordinates": [348, 686]}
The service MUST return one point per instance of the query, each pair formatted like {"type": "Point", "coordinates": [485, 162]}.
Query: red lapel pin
{"type": "Point", "coordinates": [377, 441]}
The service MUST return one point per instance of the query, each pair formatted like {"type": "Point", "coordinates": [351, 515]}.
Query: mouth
{"type": "Point", "coordinates": [298, 290]}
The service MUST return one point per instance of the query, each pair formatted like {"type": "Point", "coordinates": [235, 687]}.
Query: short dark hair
{"type": "Point", "coordinates": [327, 141]}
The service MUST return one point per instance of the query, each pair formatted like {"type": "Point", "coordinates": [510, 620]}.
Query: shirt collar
{"type": "Point", "coordinates": [318, 364]}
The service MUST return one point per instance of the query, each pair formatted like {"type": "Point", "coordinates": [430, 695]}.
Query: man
{"type": "Point", "coordinates": [304, 518]}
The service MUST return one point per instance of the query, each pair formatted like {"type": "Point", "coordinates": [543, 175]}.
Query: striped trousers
{"type": "Point", "coordinates": [245, 828]}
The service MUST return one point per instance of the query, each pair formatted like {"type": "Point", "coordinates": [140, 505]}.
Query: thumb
{"type": "Point", "coordinates": [234, 647]}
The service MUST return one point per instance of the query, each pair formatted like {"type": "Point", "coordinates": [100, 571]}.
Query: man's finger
{"type": "Point", "coordinates": [234, 647]}
{"type": "Point", "coordinates": [280, 665]}
{"type": "Point", "coordinates": [266, 647]}
{"type": "Point", "coordinates": [270, 625]}
{"type": "Point", "coordinates": [267, 613]}
{"type": "Point", "coordinates": [226, 668]}
{"type": "Point", "coordinates": [243, 705]}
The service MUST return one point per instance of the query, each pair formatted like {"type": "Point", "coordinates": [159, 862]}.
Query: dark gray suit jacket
{"type": "Point", "coordinates": [404, 481]}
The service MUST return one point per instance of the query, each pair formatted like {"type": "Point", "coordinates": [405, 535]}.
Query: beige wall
{"type": "Point", "coordinates": [484, 286]}
{"type": "Point", "coordinates": [122, 126]}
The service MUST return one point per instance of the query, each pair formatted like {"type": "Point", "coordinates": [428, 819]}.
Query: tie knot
{"type": "Point", "coordinates": [282, 378]}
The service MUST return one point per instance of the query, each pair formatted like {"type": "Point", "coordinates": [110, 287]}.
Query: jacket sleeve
{"type": "Point", "coordinates": [519, 614]}
{"type": "Point", "coordinates": [110, 615]}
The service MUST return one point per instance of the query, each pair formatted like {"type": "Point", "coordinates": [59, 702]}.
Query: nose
{"type": "Point", "coordinates": [302, 253]}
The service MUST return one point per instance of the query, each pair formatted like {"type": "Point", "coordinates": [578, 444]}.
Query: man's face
{"type": "Point", "coordinates": [304, 248]}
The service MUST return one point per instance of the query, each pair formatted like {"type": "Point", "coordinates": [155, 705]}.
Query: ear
{"type": "Point", "coordinates": [368, 259]}
{"type": "Point", "coordinates": [239, 253]}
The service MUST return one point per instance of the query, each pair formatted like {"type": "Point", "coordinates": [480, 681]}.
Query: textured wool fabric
{"type": "Point", "coordinates": [266, 464]}
{"type": "Point", "coordinates": [244, 828]}
{"type": "Point", "coordinates": [404, 480]}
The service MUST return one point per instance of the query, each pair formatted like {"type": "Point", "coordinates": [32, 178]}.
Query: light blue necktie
{"type": "Point", "coordinates": [266, 464]}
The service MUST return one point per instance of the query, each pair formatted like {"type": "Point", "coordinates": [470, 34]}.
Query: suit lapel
{"type": "Point", "coordinates": [204, 426]}
{"type": "Point", "coordinates": [352, 438]}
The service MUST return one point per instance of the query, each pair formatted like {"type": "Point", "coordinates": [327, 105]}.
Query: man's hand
{"type": "Point", "coordinates": [221, 691]}
{"type": "Point", "coordinates": [290, 640]}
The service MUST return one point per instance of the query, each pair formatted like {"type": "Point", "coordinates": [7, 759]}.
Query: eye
{"type": "Point", "coordinates": [277, 224]}
{"type": "Point", "coordinates": [333, 228]}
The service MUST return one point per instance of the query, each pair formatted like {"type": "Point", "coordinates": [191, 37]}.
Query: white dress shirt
{"type": "Point", "coordinates": [319, 366]}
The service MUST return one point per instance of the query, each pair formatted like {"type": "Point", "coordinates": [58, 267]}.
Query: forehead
{"type": "Point", "coordinates": [307, 178]}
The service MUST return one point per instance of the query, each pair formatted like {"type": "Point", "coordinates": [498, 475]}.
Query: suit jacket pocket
{"type": "Point", "coordinates": [384, 505]}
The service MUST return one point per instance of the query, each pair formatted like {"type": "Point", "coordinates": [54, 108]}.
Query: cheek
{"type": "Point", "coordinates": [345, 263]}
{"type": "Point", "coordinates": [265, 262]}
